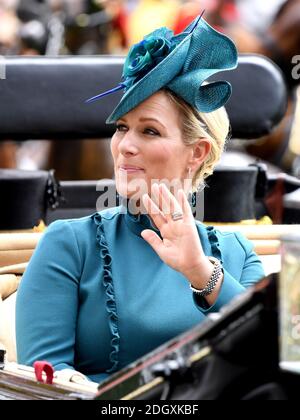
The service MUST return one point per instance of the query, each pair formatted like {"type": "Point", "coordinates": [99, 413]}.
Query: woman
{"type": "Point", "coordinates": [103, 290]}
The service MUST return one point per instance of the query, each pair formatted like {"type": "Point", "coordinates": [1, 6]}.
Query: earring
{"type": "Point", "coordinates": [189, 172]}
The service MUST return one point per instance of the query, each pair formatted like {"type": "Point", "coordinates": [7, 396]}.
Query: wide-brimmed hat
{"type": "Point", "coordinates": [181, 63]}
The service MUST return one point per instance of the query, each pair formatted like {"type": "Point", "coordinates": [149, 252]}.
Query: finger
{"type": "Point", "coordinates": [153, 211]}
{"type": "Point", "coordinates": [155, 195]}
{"type": "Point", "coordinates": [170, 201]}
{"type": "Point", "coordinates": [185, 205]}
{"type": "Point", "coordinates": [153, 240]}
{"type": "Point", "coordinates": [160, 201]}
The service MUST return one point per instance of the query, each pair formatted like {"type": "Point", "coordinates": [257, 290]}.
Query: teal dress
{"type": "Point", "coordinates": [96, 296]}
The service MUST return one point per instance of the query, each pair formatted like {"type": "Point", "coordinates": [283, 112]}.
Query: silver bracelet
{"type": "Point", "coordinates": [218, 270]}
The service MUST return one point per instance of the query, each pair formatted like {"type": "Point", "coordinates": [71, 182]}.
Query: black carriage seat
{"type": "Point", "coordinates": [43, 98]}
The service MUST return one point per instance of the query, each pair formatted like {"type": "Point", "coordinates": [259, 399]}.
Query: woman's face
{"type": "Point", "coordinates": [147, 147]}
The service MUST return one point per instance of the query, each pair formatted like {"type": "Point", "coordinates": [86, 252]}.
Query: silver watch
{"type": "Point", "coordinates": [218, 270]}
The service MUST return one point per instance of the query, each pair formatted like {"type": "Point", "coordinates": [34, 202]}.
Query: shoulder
{"type": "Point", "coordinates": [83, 224]}
{"type": "Point", "coordinates": [236, 239]}
{"type": "Point", "coordinates": [227, 241]}
{"type": "Point", "coordinates": [82, 229]}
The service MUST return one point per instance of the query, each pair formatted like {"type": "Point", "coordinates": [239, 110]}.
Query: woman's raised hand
{"type": "Point", "coordinates": [180, 246]}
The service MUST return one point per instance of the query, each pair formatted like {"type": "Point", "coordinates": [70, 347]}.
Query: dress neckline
{"type": "Point", "coordinates": [137, 222]}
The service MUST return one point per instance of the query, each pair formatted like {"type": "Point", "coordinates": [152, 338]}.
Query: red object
{"type": "Point", "coordinates": [230, 13]}
{"type": "Point", "coordinates": [120, 22]}
{"type": "Point", "coordinates": [39, 368]}
{"type": "Point", "coordinates": [183, 20]}
{"type": "Point", "coordinates": [224, 12]}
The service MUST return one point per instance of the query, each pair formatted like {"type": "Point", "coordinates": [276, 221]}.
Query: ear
{"type": "Point", "coordinates": [200, 152]}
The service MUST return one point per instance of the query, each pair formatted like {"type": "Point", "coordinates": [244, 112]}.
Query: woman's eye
{"type": "Point", "coordinates": [151, 132]}
{"type": "Point", "coordinates": [121, 127]}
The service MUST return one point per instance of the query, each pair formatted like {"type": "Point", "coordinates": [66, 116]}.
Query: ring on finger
{"type": "Point", "coordinates": [177, 215]}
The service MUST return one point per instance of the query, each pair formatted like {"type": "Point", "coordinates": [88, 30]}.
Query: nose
{"type": "Point", "coordinates": [128, 145]}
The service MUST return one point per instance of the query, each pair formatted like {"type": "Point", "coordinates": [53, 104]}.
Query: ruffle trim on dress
{"type": "Point", "coordinates": [214, 243]}
{"type": "Point", "coordinates": [111, 306]}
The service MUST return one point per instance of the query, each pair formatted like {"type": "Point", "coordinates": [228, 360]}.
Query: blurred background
{"type": "Point", "coordinates": [92, 27]}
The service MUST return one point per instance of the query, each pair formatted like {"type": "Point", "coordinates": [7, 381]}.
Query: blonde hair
{"type": "Point", "coordinates": [214, 126]}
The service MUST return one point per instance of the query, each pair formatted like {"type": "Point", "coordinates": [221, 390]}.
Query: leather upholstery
{"type": "Point", "coordinates": [43, 97]}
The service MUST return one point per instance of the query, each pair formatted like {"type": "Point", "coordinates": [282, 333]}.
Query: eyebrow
{"type": "Point", "coordinates": [151, 119]}
{"type": "Point", "coordinates": [143, 119]}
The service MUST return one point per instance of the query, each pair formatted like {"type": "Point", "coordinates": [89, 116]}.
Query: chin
{"type": "Point", "coordinates": [134, 188]}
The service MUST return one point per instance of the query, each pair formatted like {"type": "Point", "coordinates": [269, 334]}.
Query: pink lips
{"type": "Point", "coordinates": [130, 168]}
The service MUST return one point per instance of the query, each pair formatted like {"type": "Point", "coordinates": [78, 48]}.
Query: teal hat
{"type": "Point", "coordinates": [181, 63]}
